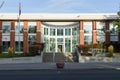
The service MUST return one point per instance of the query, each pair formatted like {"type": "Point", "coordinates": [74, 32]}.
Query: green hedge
{"type": "Point", "coordinates": [5, 55]}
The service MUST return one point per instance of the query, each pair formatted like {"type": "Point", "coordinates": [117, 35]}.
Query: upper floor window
{"type": "Point", "coordinates": [19, 28]}
{"type": "Point", "coordinates": [113, 29]}
{"type": "Point", "coordinates": [32, 27]}
{"type": "Point", "coordinates": [52, 32]}
{"type": "Point", "coordinates": [6, 26]}
{"type": "Point", "coordinates": [88, 27]}
{"type": "Point", "coordinates": [45, 31]}
{"type": "Point", "coordinates": [60, 32]}
{"type": "Point", "coordinates": [101, 29]}
{"type": "Point", "coordinates": [68, 31]}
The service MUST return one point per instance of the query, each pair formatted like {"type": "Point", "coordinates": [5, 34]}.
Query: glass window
{"type": "Point", "coordinates": [52, 44]}
{"type": "Point", "coordinates": [113, 32]}
{"type": "Point", "coordinates": [52, 32]}
{"type": "Point", "coordinates": [87, 32]}
{"type": "Point", "coordinates": [113, 29]}
{"type": "Point", "coordinates": [67, 31]}
{"type": "Point", "coordinates": [60, 32]}
{"type": "Point", "coordinates": [19, 29]}
{"type": "Point", "coordinates": [32, 29]}
{"type": "Point", "coordinates": [6, 45]}
{"type": "Point", "coordinates": [88, 27]}
{"type": "Point", "coordinates": [60, 40]}
{"type": "Point", "coordinates": [17, 46]}
{"type": "Point", "coordinates": [101, 30]}
{"type": "Point", "coordinates": [67, 45]}
{"type": "Point", "coordinates": [46, 40]}
{"type": "Point", "coordinates": [88, 39]}
{"type": "Point", "coordinates": [31, 39]}
{"type": "Point", "coordinates": [6, 27]}
{"type": "Point", "coordinates": [45, 31]}
{"type": "Point", "coordinates": [74, 31]}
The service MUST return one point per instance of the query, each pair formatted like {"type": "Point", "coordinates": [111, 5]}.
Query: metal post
{"type": "Point", "coordinates": [19, 26]}
{"type": "Point", "coordinates": [19, 34]}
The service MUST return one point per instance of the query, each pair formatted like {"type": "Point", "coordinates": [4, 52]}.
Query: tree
{"type": "Point", "coordinates": [117, 23]}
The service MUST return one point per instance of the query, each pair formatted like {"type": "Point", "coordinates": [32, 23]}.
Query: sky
{"type": "Point", "coordinates": [60, 6]}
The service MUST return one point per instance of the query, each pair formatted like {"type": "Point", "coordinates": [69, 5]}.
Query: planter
{"type": "Point", "coordinates": [60, 64]}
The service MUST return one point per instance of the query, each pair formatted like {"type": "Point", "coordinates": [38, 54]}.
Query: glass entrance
{"type": "Point", "coordinates": [60, 38]}
{"type": "Point", "coordinates": [60, 48]}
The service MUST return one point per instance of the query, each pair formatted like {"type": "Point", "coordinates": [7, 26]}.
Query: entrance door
{"type": "Point", "coordinates": [59, 48]}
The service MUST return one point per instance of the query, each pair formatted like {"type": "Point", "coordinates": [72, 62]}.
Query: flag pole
{"type": "Point", "coordinates": [19, 26]}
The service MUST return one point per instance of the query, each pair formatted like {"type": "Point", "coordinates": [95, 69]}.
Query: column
{"type": "Point", "coordinates": [81, 40]}
{"type": "Point", "coordinates": [94, 33]}
{"type": "Point", "coordinates": [12, 35]}
{"type": "Point", "coordinates": [38, 34]}
{"type": "Point", "coordinates": [25, 37]}
{"type": "Point", "coordinates": [107, 32]}
{"type": "Point", "coordinates": [0, 33]}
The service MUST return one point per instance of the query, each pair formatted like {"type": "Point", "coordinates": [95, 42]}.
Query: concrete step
{"type": "Point", "coordinates": [50, 57]}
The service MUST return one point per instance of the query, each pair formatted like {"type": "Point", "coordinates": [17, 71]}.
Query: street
{"type": "Point", "coordinates": [61, 74]}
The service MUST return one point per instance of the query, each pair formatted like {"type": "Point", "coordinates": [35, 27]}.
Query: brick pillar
{"type": "Point", "coordinates": [0, 33]}
{"type": "Point", "coordinates": [81, 40]}
{"type": "Point", "coordinates": [12, 35]}
{"type": "Point", "coordinates": [38, 34]}
{"type": "Point", "coordinates": [94, 36]}
{"type": "Point", "coordinates": [25, 37]}
{"type": "Point", "coordinates": [107, 32]}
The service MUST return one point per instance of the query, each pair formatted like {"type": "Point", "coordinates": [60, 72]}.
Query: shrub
{"type": "Point", "coordinates": [0, 49]}
{"type": "Point", "coordinates": [36, 49]}
{"type": "Point", "coordinates": [10, 50]}
{"type": "Point", "coordinates": [111, 50]}
{"type": "Point", "coordinates": [83, 49]}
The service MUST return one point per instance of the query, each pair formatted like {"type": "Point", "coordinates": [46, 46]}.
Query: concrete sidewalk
{"type": "Point", "coordinates": [52, 66]}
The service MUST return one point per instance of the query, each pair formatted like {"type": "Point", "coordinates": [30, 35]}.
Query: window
{"type": "Point", "coordinates": [6, 45]}
{"type": "Point", "coordinates": [60, 32]}
{"type": "Point", "coordinates": [67, 32]}
{"type": "Point", "coordinates": [32, 27]}
{"type": "Point", "coordinates": [67, 44]}
{"type": "Point", "coordinates": [19, 29]}
{"type": "Point", "coordinates": [6, 27]}
{"type": "Point", "coordinates": [87, 32]}
{"type": "Point", "coordinates": [18, 45]}
{"type": "Point", "coordinates": [45, 31]}
{"type": "Point", "coordinates": [113, 32]}
{"type": "Point", "coordinates": [101, 29]}
{"type": "Point", "coordinates": [52, 32]}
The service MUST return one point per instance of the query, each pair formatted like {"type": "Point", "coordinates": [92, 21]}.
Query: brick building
{"type": "Point", "coordinates": [59, 32]}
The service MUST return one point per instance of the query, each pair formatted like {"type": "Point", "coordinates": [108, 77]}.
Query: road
{"type": "Point", "coordinates": [59, 74]}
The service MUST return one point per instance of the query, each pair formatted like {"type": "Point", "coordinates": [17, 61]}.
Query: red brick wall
{"type": "Point", "coordinates": [81, 40]}
{"type": "Point", "coordinates": [107, 32]}
{"type": "Point", "coordinates": [38, 34]}
{"type": "Point", "coordinates": [94, 38]}
{"type": "Point", "coordinates": [25, 37]}
{"type": "Point", "coordinates": [12, 35]}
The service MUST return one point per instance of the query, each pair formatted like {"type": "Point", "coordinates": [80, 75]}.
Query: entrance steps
{"type": "Point", "coordinates": [55, 57]}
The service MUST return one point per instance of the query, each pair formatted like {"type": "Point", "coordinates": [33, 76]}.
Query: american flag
{"type": "Point", "coordinates": [19, 8]}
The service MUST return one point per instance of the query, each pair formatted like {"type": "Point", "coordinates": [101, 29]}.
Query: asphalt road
{"type": "Point", "coordinates": [59, 74]}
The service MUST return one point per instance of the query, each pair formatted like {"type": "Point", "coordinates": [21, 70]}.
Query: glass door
{"type": "Point", "coordinates": [60, 48]}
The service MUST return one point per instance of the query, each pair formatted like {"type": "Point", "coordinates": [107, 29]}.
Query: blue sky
{"type": "Point", "coordinates": [61, 6]}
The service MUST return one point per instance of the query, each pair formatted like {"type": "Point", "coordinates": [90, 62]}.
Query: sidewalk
{"type": "Point", "coordinates": [35, 63]}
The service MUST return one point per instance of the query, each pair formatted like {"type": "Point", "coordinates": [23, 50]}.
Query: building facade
{"type": "Point", "coordinates": [59, 32]}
